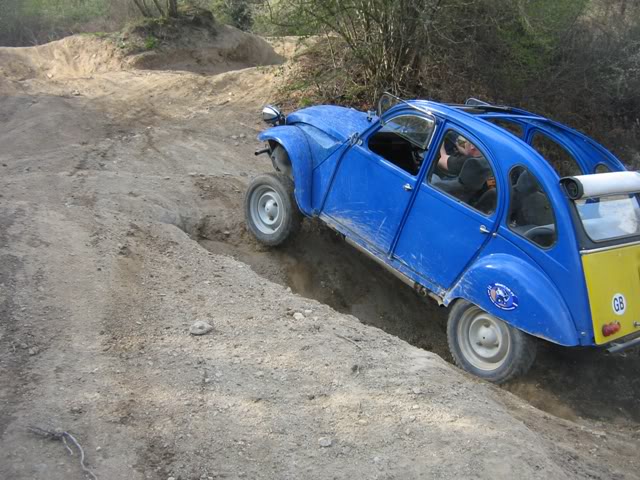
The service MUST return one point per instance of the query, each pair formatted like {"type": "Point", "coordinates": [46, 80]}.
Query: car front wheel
{"type": "Point", "coordinates": [487, 347]}
{"type": "Point", "coordinates": [270, 208]}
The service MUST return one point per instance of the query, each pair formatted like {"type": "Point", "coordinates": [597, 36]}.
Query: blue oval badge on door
{"type": "Point", "coordinates": [502, 296]}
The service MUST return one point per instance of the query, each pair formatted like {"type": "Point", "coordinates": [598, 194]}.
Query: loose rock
{"type": "Point", "coordinates": [325, 442]}
{"type": "Point", "coordinates": [200, 328]}
{"type": "Point", "coordinates": [298, 316]}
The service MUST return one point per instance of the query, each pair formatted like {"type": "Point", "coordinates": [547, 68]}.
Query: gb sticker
{"type": "Point", "coordinates": [619, 304]}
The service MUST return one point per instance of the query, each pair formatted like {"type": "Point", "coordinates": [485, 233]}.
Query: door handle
{"type": "Point", "coordinates": [407, 187]}
{"type": "Point", "coordinates": [484, 229]}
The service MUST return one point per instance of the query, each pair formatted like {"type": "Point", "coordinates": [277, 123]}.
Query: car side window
{"type": "Point", "coordinates": [558, 157]}
{"type": "Point", "coordinates": [530, 211]}
{"type": "Point", "coordinates": [463, 171]}
{"type": "Point", "coordinates": [511, 127]}
{"type": "Point", "coordinates": [403, 141]}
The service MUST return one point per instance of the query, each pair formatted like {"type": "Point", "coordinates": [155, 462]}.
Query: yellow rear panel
{"type": "Point", "coordinates": [613, 283]}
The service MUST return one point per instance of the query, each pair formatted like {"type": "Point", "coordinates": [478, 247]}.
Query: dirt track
{"type": "Point", "coordinates": [112, 180]}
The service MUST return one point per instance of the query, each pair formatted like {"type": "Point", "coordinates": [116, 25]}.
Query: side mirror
{"type": "Point", "coordinates": [272, 115]}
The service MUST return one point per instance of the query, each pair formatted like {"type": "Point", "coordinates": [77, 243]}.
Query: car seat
{"type": "Point", "coordinates": [530, 205]}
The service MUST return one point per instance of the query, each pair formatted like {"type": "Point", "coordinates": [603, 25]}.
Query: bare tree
{"type": "Point", "coordinates": [170, 9]}
{"type": "Point", "coordinates": [142, 6]}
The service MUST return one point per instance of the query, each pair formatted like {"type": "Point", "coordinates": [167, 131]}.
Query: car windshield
{"type": "Point", "coordinates": [610, 217]}
{"type": "Point", "coordinates": [417, 130]}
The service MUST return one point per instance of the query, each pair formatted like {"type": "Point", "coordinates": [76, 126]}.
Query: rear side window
{"type": "Point", "coordinates": [558, 157]}
{"type": "Point", "coordinates": [530, 212]}
{"type": "Point", "coordinates": [511, 127]}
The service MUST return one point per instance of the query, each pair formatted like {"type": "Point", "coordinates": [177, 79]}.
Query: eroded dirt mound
{"type": "Point", "coordinates": [83, 56]}
{"type": "Point", "coordinates": [75, 56]}
{"type": "Point", "coordinates": [230, 49]}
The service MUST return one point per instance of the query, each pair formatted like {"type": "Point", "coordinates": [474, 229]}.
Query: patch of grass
{"type": "Point", "coordinates": [150, 42]}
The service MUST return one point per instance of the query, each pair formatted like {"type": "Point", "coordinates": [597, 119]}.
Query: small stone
{"type": "Point", "coordinates": [171, 478]}
{"type": "Point", "coordinates": [192, 174]}
{"type": "Point", "coordinates": [76, 93]}
{"type": "Point", "coordinates": [33, 351]}
{"type": "Point", "coordinates": [298, 316]}
{"type": "Point", "coordinates": [49, 75]}
{"type": "Point", "coordinates": [200, 328]}
{"type": "Point", "coordinates": [416, 390]}
{"type": "Point", "coordinates": [167, 178]}
{"type": "Point", "coordinates": [325, 442]}
{"type": "Point", "coordinates": [308, 312]}
{"type": "Point", "coordinates": [236, 144]}
{"type": "Point", "coordinates": [234, 137]}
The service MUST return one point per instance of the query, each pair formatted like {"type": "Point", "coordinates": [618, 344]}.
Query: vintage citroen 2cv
{"type": "Point", "coordinates": [522, 226]}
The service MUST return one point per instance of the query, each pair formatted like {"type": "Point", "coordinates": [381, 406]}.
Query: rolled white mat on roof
{"type": "Point", "coordinates": [599, 184]}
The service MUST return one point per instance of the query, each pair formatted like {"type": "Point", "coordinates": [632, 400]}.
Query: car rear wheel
{"type": "Point", "coordinates": [270, 208]}
{"type": "Point", "coordinates": [487, 347]}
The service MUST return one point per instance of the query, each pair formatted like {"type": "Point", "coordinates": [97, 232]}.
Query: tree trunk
{"type": "Point", "coordinates": [172, 8]}
{"type": "Point", "coordinates": [159, 8]}
{"type": "Point", "coordinates": [143, 8]}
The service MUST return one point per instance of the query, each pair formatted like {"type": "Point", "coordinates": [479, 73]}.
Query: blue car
{"type": "Point", "coordinates": [525, 228]}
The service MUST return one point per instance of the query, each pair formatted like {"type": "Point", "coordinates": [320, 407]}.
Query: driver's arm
{"type": "Point", "coordinates": [443, 161]}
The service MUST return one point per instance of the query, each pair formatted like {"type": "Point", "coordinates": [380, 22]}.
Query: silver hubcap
{"type": "Point", "coordinates": [485, 341]}
{"type": "Point", "coordinates": [267, 210]}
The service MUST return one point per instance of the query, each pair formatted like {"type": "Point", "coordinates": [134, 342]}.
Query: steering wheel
{"type": "Point", "coordinates": [535, 233]}
{"type": "Point", "coordinates": [449, 145]}
{"type": "Point", "coordinates": [417, 156]}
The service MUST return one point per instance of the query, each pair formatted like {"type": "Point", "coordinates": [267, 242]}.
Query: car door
{"type": "Point", "coordinates": [375, 179]}
{"type": "Point", "coordinates": [453, 215]}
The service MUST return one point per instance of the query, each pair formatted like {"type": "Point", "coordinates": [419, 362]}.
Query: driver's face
{"type": "Point", "coordinates": [469, 149]}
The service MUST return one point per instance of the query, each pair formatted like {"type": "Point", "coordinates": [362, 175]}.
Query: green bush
{"type": "Point", "coordinates": [150, 42]}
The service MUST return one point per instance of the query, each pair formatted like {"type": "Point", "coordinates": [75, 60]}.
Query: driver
{"type": "Point", "coordinates": [451, 165]}
{"type": "Point", "coordinates": [465, 173]}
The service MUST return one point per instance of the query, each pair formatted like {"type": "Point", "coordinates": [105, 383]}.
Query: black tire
{"type": "Point", "coordinates": [272, 194]}
{"type": "Point", "coordinates": [487, 347]}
